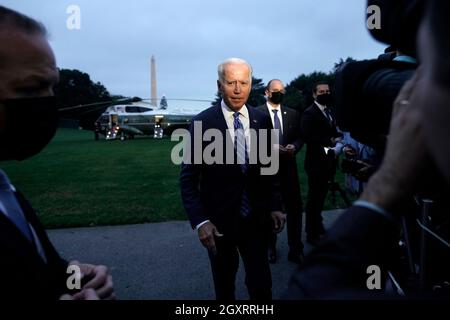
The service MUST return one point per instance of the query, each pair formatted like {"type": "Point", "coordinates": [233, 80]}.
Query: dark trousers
{"type": "Point", "coordinates": [293, 207]}
{"type": "Point", "coordinates": [251, 245]}
{"type": "Point", "coordinates": [317, 193]}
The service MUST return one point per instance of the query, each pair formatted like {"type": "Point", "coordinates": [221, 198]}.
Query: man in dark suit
{"type": "Point", "coordinates": [231, 203]}
{"type": "Point", "coordinates": [287, 121]}
{"type": "Point", "coordinates": [30, 265]}
{"type": "Point", "coordinates": [321, 136]}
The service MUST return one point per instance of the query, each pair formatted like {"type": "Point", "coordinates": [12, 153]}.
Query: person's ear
{"type": "Point", "coordinates": [219, 86]}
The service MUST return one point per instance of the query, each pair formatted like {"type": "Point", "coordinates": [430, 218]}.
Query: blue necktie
{"type": "Point", "coordinates": [240, 148]}
{"type": "Point", "coordinates": [13, 210]}
{"type": "Point", "coordinates": [277, 126]}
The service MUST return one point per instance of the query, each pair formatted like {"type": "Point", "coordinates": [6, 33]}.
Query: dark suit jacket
{"type": "Point", "coordinates": [291, 126]}
{"type": "Point", "coordinates": [25, 275]}
{"type": "Point", "coordinates": [214, 192]}
{"type": "Point", "coordinates": [317, 133]}
{"type": "Point", "coordinates": [291, 135]}
{"type": "Point", "coordinates": [337, 268]}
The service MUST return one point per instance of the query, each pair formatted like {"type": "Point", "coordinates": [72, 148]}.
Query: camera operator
{"type": "Point", "coordinates": [367, 233]}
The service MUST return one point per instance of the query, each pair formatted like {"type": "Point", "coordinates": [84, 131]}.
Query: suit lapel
{"type": "Point", "coordinates": [220, 122]}
{"type": "Point", "coordinates": [32, 218]}
{"type": "Point", "coordinates": [320, 114]}
{"type": "Point", "coordinates": [265, 109]}
{"type": "Point", "coordinates": [12, 238]}
{"type": "Point", "coordinates": [254, 123]}
{"type": "Point", "coordinates": [286, 123]}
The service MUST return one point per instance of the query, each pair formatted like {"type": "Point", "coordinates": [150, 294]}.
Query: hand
{"type": "Point", "coordinates": [207, 234]}
{"type": "Point", "coordinates": [98, 279]}
{"type": "Point", "coordinates": [85, 294]}
{"type": "Point", "coordinates": [335, 140]}
{"type": "Point", "coordinates": [279, 219]}
{"type": "Point", "coordinates": [364, 173]}
{"type": "Point", "coordinates": [349, 151]}
{"type": "Point", "coordinates": [405, 157]}
{"type": "Point", "coordinates": [290, 149]}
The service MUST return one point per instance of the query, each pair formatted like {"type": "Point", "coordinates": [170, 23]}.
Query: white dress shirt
{"type": "Point", "coordinates": [244, 117]}
{"type": "Point", "coordinates": [229, 119]}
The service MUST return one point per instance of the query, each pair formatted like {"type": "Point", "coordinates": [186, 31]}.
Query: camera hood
{"type": "Point", "coordinates": [400, 21]}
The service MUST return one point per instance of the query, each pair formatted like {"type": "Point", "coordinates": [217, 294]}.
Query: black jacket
{"type": "Point", "coordinates": [25, 275]}
{"type": "Point", "coordinates": [214, 192]}
{"type": "Point", "coordinates": [317, 133]}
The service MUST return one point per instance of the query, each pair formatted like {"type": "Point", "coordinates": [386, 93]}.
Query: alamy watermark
{"type": "Point", "coordinates": [374, 18]}
{"type": "Point", "coordinates": [374, 280]}
{"type": "Point", "coordinates": [221, 150]}
{"type": "Point", "coordinates": [74, 280]}
{"type": "Point", "coordinates": [73, 21]}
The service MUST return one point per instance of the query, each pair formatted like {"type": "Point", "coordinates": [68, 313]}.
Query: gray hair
{"type": "Point", "coordinates": [19, 21]}
{"type": "Point", "coordinates": [221, 68]}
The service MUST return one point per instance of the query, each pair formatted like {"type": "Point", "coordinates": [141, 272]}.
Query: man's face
{"type": "Point", "coordinates": [321, 89]}
{"type": "Point", "coordinates": [275, 86]}
{"type": "Point", "coordinates": [235, 85]}
{"type": "Point", "coordinates": [28, 67]}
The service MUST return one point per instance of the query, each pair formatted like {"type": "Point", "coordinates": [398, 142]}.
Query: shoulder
{"type": "Point", "coordinates": [257, 113]}
{"type": "Point", "coordinates": [262, 107]}
{"type": "Point", "coordinates": [311, 110]}
{"type": "Point", "coordinates": [208, 113]}
{"type": "Point", "coordinates": [290, 111]}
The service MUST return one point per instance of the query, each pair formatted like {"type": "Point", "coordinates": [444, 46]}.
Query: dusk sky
{"type": "Point", "coordinates": [189, 38]}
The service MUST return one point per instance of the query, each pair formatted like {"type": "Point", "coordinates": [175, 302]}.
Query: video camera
{"type": "Point", "coordinates": [366, 90]}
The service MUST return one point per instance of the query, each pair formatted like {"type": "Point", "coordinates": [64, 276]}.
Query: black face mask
{"type": "Point", "coordinates": [325, 99]}
{"type": "Point", "coordinates": [29, 125]}
{"type": "Point", "coordinates": [277, 97]}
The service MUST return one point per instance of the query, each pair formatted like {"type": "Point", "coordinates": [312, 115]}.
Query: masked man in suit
{"type": "Point", "coordinates": [319, 131]}
{"type": "Point", "coordinates": [287, 121]}
{"type": "Point", "coordinates": [30, 265]}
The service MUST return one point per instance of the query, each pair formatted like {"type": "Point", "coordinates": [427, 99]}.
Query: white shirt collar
{"type": "Point", "coordinates": [273, 108]}
{"type": "Point", "coordinates": [229, 113]}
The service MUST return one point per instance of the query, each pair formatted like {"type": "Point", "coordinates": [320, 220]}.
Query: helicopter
{"type": "Point", "coordinates": [129, 117]}
{"type": "Point", "coordinates": [125, 121]}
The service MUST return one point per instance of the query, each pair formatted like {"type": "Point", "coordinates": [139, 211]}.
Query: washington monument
{"type": "Point", "coordinates": [154, 93]}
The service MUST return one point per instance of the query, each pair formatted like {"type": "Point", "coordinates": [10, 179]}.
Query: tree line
{"type": "Point", "coordinates": [76, 88]}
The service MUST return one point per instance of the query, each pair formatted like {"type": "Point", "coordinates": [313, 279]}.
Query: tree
{"type": "Point", "coordinates": [163, 104]}
{"type": "Point", "coordinates": [256, 97]}
{"type": "Point", "coordinates": [341, 63]}
{"type": "Point", "coordinates": [299, 91]}
{"type": "Point", "coordinates": [76, 88]}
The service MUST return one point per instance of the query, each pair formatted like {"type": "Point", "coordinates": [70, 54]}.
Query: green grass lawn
{"type": "Point", "coordinates": [77, 181]}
